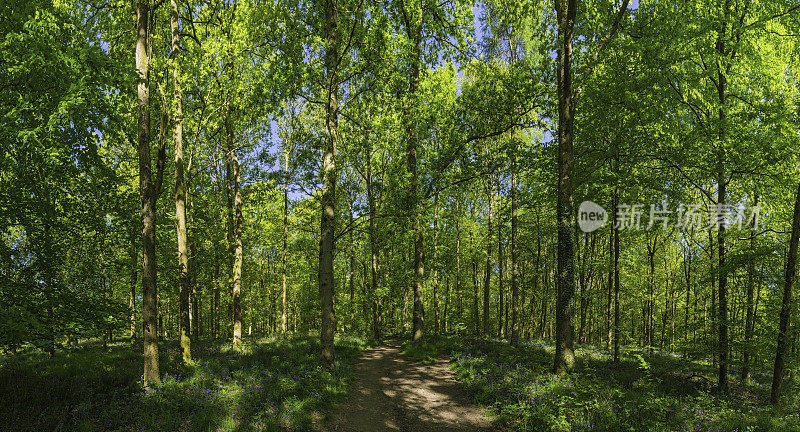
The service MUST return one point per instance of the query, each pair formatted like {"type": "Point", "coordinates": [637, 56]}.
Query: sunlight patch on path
{"type": "Point", "coordinates": [393, 393]}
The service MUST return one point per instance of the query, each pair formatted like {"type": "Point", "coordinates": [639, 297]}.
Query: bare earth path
{"type": "Point", "coordinates": [394, 393]}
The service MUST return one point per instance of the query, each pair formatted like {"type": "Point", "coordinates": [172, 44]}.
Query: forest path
{"type": "Point", "coordinates": [395, 393]}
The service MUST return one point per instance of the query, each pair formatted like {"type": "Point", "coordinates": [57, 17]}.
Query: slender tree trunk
{"type": "Point", "coordinates": [722, 89]}
{"type": "Point", "coordinates": [436, 263]}
{"type": "Point", "coordinates": [376, 313]}
{"type": "Point", "coordinates": [650, 318]}
{"type": "Point", "coordinates": [132, 298]}
{"type": "Point", "coordinates": [328, 202]}
{"type": "Point", "coordinates": [487, 278]}
{"type": "Point", "coordinates": [536, 269]}
{"type": "Point", "coordinates": [285, 239]}
{"type": "Point", "coordinates": [514, 253]}
{"type": "Point", "coordinates": [687, 268]}
{"type": "Point", "coordinates": [49, 280]}
{"type": "Point", "coordinates": [215, 305]}
{"type": "Point", "coordinates": [564, 360]}
{"type": "Point", "coordinates": [673, 297]}
{"type": "Point", "coordinates": [616, 273]}
{"type": "Point", "coordinates": [148, 198]}
{"type": "Point", "coordinates": [458, 261]}
{"type": "Point", "coordinates": [501, 331]}
{"type": "Point", "coordinates": [584, 278]}
{"type": "Point", "coordinates": [196, 297]}
{"type": "Point", "coordinates": [351, 269]}
{"type": "Point", "coordinates": [750, 317]}
{"type": "Point", "coordinates": [723, 295]}
{"type": "Point", "coordinates": [415, 34]}
{"type": "Point", "coordinates": [786, 306]}
{"type": "Point", "coordinates": [445, 319]}
{"type": "Point", "coordinates": [610, 291]}
{"type": "Point", "coordinates": [476, 317]}
{"type": "Point", "coordinates": [713, 294]}
{"type": "Point", "coordinates": [180, 192]}
{"type": "Point", "coordinates": [236, 268]}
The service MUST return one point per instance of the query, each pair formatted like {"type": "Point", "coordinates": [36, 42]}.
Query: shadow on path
{"type": "Point", "coordinates": [393, 393]}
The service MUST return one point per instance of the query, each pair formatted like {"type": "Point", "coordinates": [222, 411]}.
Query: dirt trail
{"type": "Point", "coordinates": [395, 393]}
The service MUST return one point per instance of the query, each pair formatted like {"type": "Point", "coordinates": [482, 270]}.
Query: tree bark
{"type": "Point", "coordinates": [722, 90]}
{"type": "Point", "coordinates": [487, 277]}
{"type": "Point", "coordinates": [610, 291]}
{"type": "Point", "coordinates": [458, 261]}
{"type": "Point", "coordinates": [616, 273]}
{"type": "Point", "coordinates": [436, 264]}
{"type": "Point", "coordinates": [650, 318]}
{"type": "Point", "coordinates": [285, 239]}
{"type": "Point", "coordinates": [328, 202]}
{"type": "Point", "coordinates": [786, 306]}
{"type": "Point", "coordinates": [501, 331]}
{"type": "Point", "coordinates": [564, 357]}
{"type": "Point", "coordinates": [373, 250]}
{"type": "Point", "coordinates": [687, 269]}
{"type": "Point", "coordinates": [476, 317]}
{"type": "Point", "coordinates": [236, 267]}
{"type": "Point", "coordinates": [351, 269]}
{"type": "Point", "coordinates": [180, 192]}
{"type": "Point", "coordinates": [148, 194]}
{"type": "Point", "coordinates": [514, 252]}
{"type": "Point", "coordinates": [132, 298]}
{"type": "Point", "coordinates": [415, 34]}
{"type": "Point", "coordinates": [749, 323]}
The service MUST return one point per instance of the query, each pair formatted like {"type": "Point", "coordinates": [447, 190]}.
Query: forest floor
{"type": "Point", "coordinates": [268, 385]}
{"type": "Point", "coordinates": [394, 392]}
{"type": "Point", "coordinates": [448, 384]}
{"type": "Point", "coordinates": [659, 392]}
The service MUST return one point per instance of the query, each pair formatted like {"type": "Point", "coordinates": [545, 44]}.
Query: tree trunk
{"type": "Point", "coordinates": [584, 278]}
{"type": "Point", "coordinates": [536, 270]}
{"type": "Point", "coordinates": [180, 193]}
{"type": "Point", "coordinates": [487, 277]}
{"type": "Point", "coordinates": [285, 239]}
{"type": "Point", "coordinates": [616, 272]}
{"type": "Point", "coordinates": [564, 360]}
{"type": "Point", "coordinates": [148, 198]}
{"type": "Point", "coordinates": [476, 317]}
{"type": "Point", "coordinates": [713, 293]}
{"type": "Point", "coordinates": [749, 324]}
{"type": "Point", "coordinates": [436, 264]}
{"type": "Point", "coordinates": [514, 253]}
{"type": "Point", "coordinates": [501, 332]}
{"type": "Point", "coordinates": [351, 269]}
{"type": "Point", "coordinates": [236, 268]}
{"type": "Point", "coordinates": [376, 312]}
{"type": "Point", "coordinates": [415, 34]}
{"type": "Point", "coordinates": [610, 291]}
{"type": "Point", "coordinates": [650, 308]}
{"type": "Point", "coordinates": [445, 319]}
{"type": "Point", "coordinates": [457, 286]}
{"type": "Point", "coordinates": [328, 202]}
{"type": "Point", "coordinates": [687, 269]}
{"type": "Point", "coordinates": [722, 90]}
{"type": "Point", "coordinates": [215, 306]}
{"type": "Point", "coordinates": [132, 298]}
{"type": "Point", "coordinates": [786, 306]}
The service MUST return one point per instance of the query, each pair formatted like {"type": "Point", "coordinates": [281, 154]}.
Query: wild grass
{"type": "Point", "coordinates": [640, 393]}
{"type": "Point", "coordinates": [423, 353]}
{"type": "Point", "coordinates": [269, 385]}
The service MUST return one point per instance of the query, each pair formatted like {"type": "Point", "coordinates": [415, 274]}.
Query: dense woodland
{"type": "Point", "coordinates": [180, 177]}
